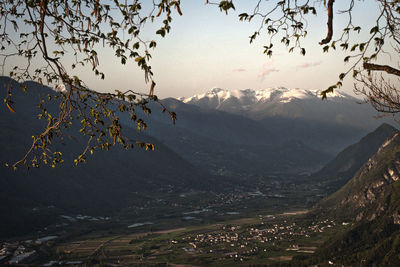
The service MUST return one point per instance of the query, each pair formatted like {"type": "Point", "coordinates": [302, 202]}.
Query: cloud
{"type": "Point", "coordinates": [268, 63]}
{"type": "Point", "coordinates": [267, 70]}
{"type": "Point", "coordinates": [308, 65]}
{"type": "Point", "coordinates": [239, 70]}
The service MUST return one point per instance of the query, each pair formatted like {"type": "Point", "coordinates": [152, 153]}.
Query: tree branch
{"type": "Point", "coordinates": [330, 23]}
{"type": "Point", "coordinates": [386, 68]}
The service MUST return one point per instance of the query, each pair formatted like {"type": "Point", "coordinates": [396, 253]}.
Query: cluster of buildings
{"type": "Point", "coordinates": [242, 242]}
{"type": "Point", "coordinates": [17, 252]}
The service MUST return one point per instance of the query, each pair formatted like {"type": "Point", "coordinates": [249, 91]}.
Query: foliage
{"type": "Point", "coordinates": [45, 32]}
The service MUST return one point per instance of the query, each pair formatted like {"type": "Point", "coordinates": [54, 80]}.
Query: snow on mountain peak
{"type": "Point", "coordinates": [249, 96]}
{"type": "Point", "coordinates": [61, 88]}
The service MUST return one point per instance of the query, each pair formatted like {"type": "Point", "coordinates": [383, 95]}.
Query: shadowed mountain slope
{"type": "Point", "coordinates": [102, 186]}
{"type": "Point", "coordinates": [342, 168]}
{"type": "Point", "coordinates": [371, 202]}
{"type": "Point", "coordinates": [231, 145]}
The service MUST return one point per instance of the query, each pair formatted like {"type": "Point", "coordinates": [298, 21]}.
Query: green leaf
{"type": "Point", "coordinates": [161, 32]}
{"type": "Point", "coordinates": [327, 91]}
{"type": "Point", "coordinates": [226, 5]}
{"type": "Point", "coordinates": [345, 46]}
{"type": "Point", "coordinates": [357, 29]}
{"type": "Point", "coordinates": [152, 44]}
{"type": "Point", "coordinates": [374, 30]}
{"type": "Point", "coordinates": [253, 37]}
{"type": "Point", "coordinates": [243, 16]}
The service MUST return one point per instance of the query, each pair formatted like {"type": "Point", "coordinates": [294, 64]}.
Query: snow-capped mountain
{"type": "Point", "coordinates": [289, 103]}
{"type": "Point", "coordinates": [217, 98]}
{"type": "Point", "coordinates": [61, 88]}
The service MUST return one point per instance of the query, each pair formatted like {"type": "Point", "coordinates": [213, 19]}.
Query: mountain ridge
{"type": "Point", "coordinates": [279, 94]}
{"type": "Point", "coordinates": [339, 108]}
{"type": "Point", "coordinates": [342, 168]}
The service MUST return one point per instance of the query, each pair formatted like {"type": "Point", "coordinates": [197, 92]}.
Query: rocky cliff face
{"type": "Point", "coordinates": [371, 201]}
{"type": "Point", "coordinates": [365, 196]}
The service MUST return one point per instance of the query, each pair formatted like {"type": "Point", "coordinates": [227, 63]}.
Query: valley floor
{"type": "Point", "coordinates": [260, 223]}
{"type": "Point", "coordinates": [264, 239]}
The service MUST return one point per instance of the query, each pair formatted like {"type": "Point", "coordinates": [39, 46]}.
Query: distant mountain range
{"type": "Point", "coordinates": [207, 149]}
{"type": "Point", "coordinates": [339, 108]}
{"type": "Point", "coordinates": [216, 130]}
{"type": "Point", "coordinates": [227, 144]}
{"type": "Point", "coordinates": [232, 145]}
{"type": "Point", "coordinates": [218, 98]}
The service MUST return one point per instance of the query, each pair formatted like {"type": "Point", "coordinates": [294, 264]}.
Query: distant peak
{"type": "Point", "coordinates": [216, 90]}
{"type": "Point", "coordinates": [60, 88]}
{"type": "Point", "coordinates": [384, 129]}
{"type": "Point", "coordinates": [386, 126]}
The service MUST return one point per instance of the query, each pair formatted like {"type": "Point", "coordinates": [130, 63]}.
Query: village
{"type": "Point", "coordinates": [263, 240]}
{"type": "Point", "coordinates": [23, 251]}
{"type": "Point", "coordinates": [253, 240]}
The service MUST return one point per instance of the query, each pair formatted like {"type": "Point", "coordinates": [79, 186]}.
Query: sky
{"type": "Point", "coordinates": [207, 49]}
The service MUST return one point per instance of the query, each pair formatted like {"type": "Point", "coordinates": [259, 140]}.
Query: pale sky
{"type": "Point", "coordinates": [207, 49]}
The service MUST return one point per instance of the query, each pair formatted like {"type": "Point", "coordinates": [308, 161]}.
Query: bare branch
{"type": "Point", "coordinates": [329, 35]}
{"type": "Point", "coordinates": [380, 93]}
{"type": "Point", "coordinates": [386, 68]}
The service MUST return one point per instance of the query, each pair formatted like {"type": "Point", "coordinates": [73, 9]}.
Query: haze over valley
{"type": "Point", "coordinates": [241, 160]}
